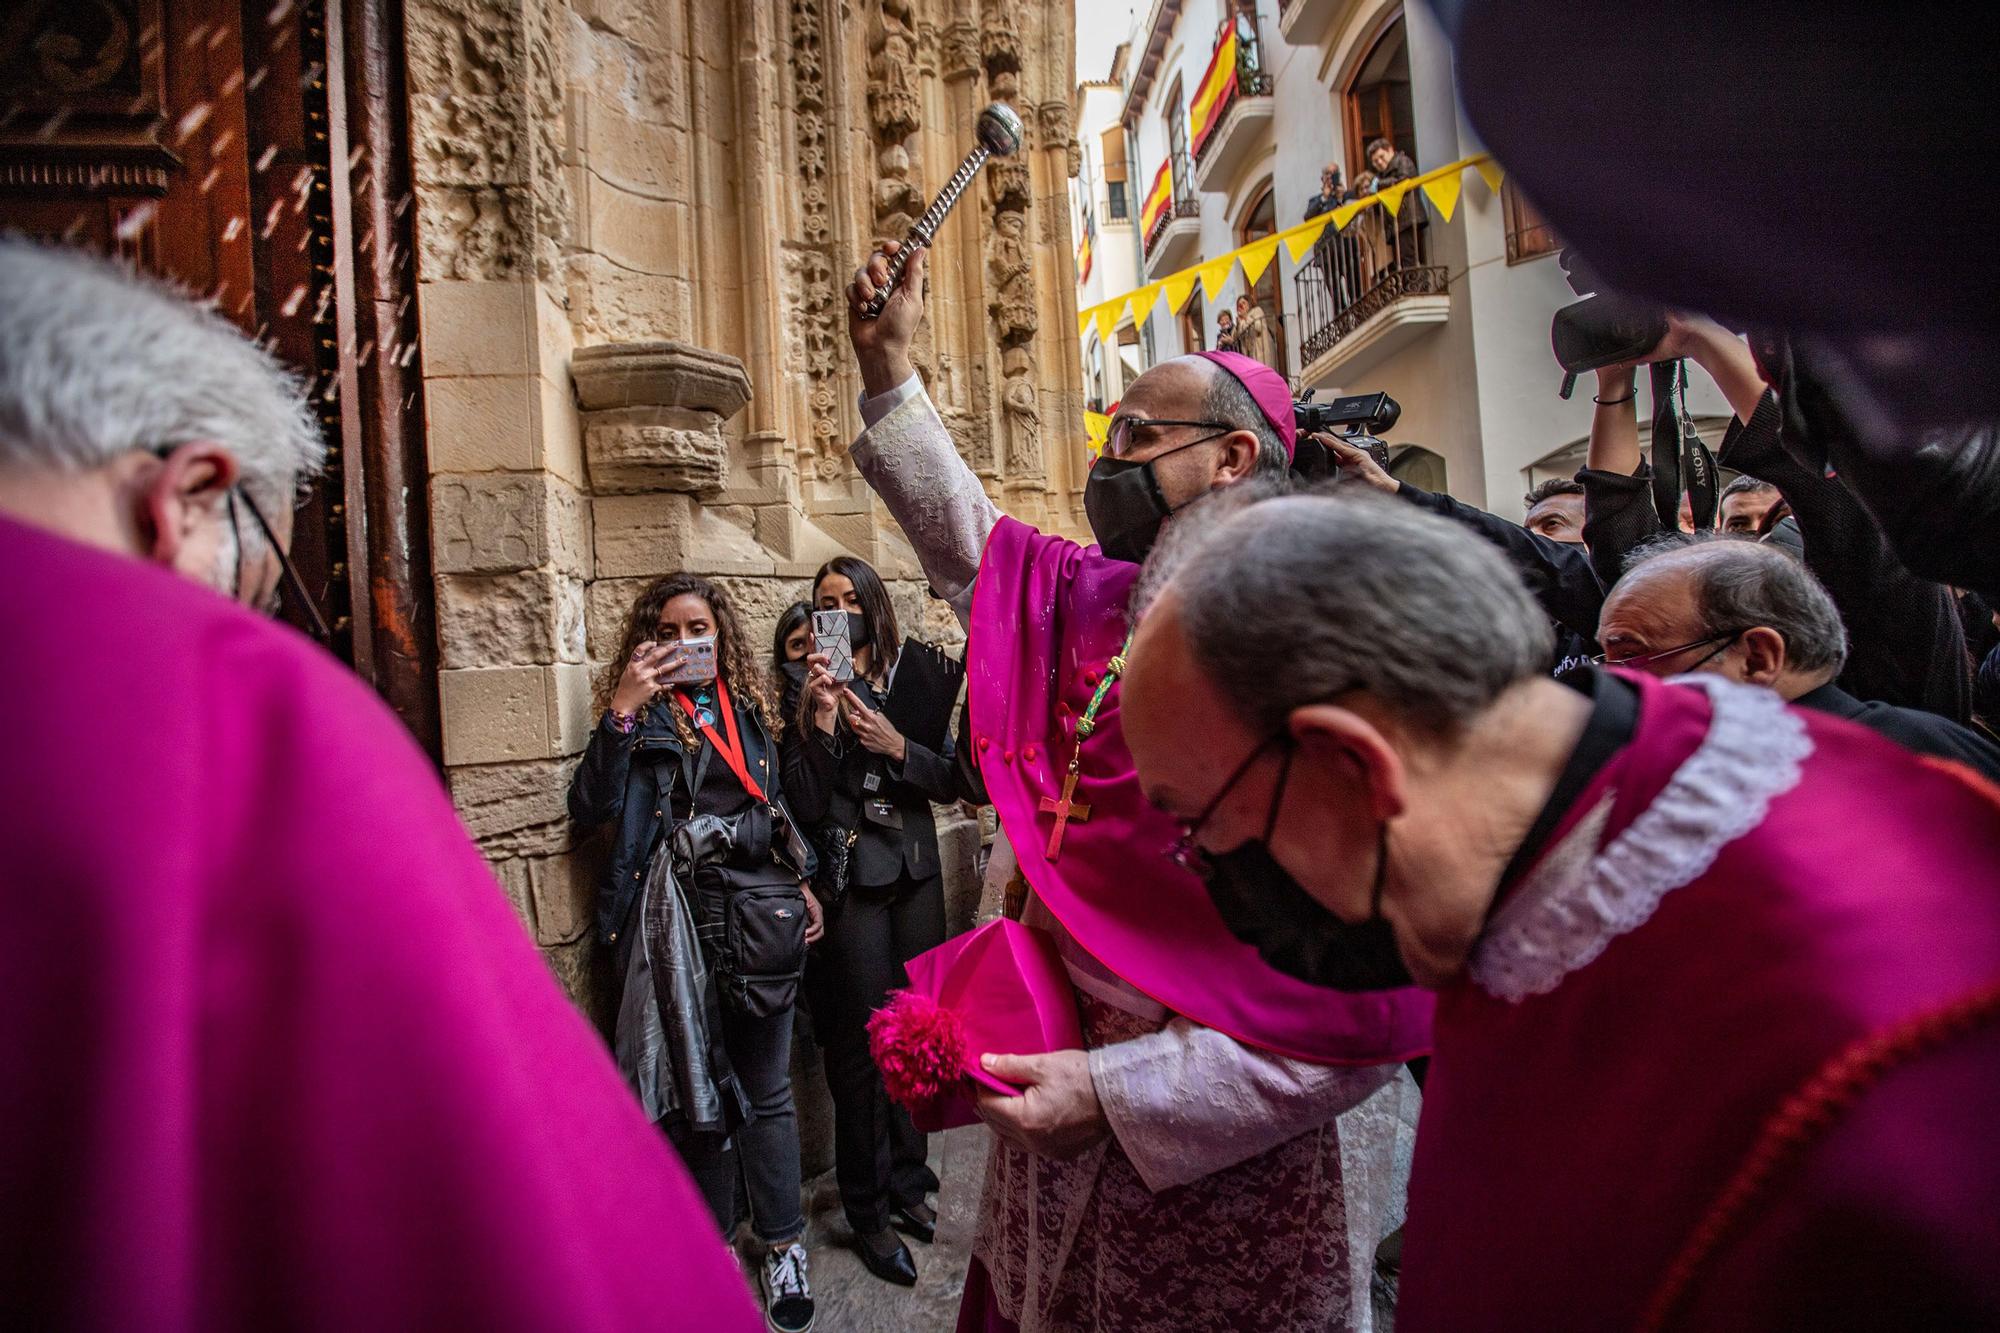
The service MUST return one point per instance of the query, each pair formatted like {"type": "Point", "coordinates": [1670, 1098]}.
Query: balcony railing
{"type": "Point", "coordinates": [1355, 274]}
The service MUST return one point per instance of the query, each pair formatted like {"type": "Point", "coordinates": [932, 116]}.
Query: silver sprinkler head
{"type": "Point", "coordinates": [1000, 130]}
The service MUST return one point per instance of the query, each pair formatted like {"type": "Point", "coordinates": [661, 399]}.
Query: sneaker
{"type": "Point", "coordinates": [788, 1300]}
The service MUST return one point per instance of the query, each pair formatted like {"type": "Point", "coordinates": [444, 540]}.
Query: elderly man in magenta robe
{"type": "Point", "coordinates": [1193, 1169]}
{"type": "Point", "coordinates": [278, 1053]}
{"type": "Point", "coordinates": [1718, 1025]}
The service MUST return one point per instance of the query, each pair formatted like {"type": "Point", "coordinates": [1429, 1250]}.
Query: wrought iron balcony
{"type": "Point", "coordinates": [1358, 285]}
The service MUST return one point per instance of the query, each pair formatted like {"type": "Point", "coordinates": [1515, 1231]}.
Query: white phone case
{"type": "Point", "coordinates": [830, 637]}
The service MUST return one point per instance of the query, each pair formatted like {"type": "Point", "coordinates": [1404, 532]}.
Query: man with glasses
{"type": "Point", "coordinates": [1718, 1026]}
{"type": "Point", "coordinates": [278, 1051]}
{"type": "Point", "coordinates": [1754, 613]}
{"type": "Point", "coordinates": [1212, 1079]}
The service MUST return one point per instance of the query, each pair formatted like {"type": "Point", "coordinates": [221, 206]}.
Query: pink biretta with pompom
{"type": "Point", "coordinates": [998, 989]}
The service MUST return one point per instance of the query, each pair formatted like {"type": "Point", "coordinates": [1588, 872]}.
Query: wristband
{"type": "Point", "coordinates": [1613, 402]}
{"type": "Point", "coordinates": [625, 722]}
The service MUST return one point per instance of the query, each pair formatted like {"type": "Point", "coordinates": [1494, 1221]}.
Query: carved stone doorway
{"type": "Point", "coordinates": [257, 154]}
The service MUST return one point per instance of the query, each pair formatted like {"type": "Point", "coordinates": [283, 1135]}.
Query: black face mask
{"type": "Point", "coordinates": [857, 630]}
{"type": "Point", "coordinates": [1126, 509]}
{"type": "Point", "coordinates": [1264, 907]}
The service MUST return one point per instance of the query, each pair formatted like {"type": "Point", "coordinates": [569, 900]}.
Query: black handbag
{"type": "Point", "coordinates": [833, 844]}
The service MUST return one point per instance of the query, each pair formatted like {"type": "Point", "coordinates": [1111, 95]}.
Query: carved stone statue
{"type": "Point", "coordinates": [1024, 417]}
{"type": "Point", "coordinates": [1011, 267]}
{"type": "Point", "coordinates": [892, 74]}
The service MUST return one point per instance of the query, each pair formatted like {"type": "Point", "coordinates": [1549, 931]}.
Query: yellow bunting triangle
{"type": "Point", "coordinates": [1215, 273]}
{"type": "Point", "coordinates": [1175, 287]}
{"type": "Point", "coordinates": [1490, 172]}
{"type": "Point", "coordinates": [1443, 193]}
{"type": "Point", "coordinates": [1143, 302]}
{"type": "Point", "coordinates": [1107, 319]}
{"type": "Point", "coordinates": [1082, 320]}
{"type": "Point", "coordinates": [1392, 198]}
{"type": "Point", "coordinates": [1096, 430]}
{"type": "Point", "coordinates": [1298, 242]}
{"type": "Point", "coordinates": [1257, 257]}
{"type": "Point", "coordinates": [1345, 213]}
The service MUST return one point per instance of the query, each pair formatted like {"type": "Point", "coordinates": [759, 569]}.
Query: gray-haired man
{"type": "Point", "coordinates": [1754, 613]}
{"type": "Point", "coordinates": [1718, 1031]}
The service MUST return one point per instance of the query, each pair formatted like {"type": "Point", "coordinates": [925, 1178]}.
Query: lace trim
{"type": "Point", "coordinates": [908, 459]}
{"type": "Point", "coordinates": [1572, 907]}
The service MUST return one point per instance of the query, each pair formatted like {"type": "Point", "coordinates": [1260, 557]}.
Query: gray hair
{"type": "Point", "coordinates": [97, 361]}
{"type": "Point", "coordinates": [1229, 402]}
{"type": "Point", "coordinates": [1739, 585]}
{"type": "Point", "coordinates": [1299, 599]}
{"type": "Point", "coordinates": [1193, 525]}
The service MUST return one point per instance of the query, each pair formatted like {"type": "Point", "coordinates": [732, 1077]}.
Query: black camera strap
{"type": "Point", "coordinates": [1681, 462]}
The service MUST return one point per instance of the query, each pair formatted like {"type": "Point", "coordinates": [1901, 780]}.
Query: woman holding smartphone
{"type": "Point", "coordinates": [848, 767]}
{"type": "Point", "coordinates": [687, 731]}
{"type": "Point", "coordinates": [791, 643]}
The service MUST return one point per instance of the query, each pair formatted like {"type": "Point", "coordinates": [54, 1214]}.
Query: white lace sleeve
{"type": "Point", "coordinates": [1187, 1101]}
{"type": "Point", "coordinates": [908, 459]}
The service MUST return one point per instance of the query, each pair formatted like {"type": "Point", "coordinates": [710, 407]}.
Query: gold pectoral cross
{"type": "Point", "coordinates": [1066, 809]}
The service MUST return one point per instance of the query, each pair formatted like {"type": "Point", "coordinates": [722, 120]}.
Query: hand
{"type": "Point", "coordinates": [815, 917]}
{"type": "Point", "coordinates": [641, 679]}
{"type": "Point", "coordinates": [877, 734]}
{"type": "Point", "coordinates": [1057, 1114]}
{"type": "Point", "coordinates": [1356, 463]}
{"type": "Point", "coordinates": [823, 690]}
{"type": "Point", "coordinates": [882, 344]}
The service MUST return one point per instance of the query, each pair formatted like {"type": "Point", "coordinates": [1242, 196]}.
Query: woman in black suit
{"type": "Point", "coordinates": [847, 763]}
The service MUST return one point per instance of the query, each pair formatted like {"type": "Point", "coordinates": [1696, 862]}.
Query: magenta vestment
{"type": "Point", "coordinates": [1047, 615]}
{"type": "Point", "coordinates": [277, 1052]}
{"type": "Point", "coordinates": [1575, 1143]}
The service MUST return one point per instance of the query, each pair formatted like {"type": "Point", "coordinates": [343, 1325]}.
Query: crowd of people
{"type": "Point", "coordinates": [1592, 921]}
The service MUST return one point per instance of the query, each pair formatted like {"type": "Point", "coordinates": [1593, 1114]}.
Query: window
{"type": "Point", "coordinates": [1529, 236]}
{"type": "Point", "coordinates": [1420, 467]}
{"type": "Point", "coordinates": [1378, 99]}
{"type": "Point", "coordinates": [1116, 201]}
{"type": "Point", "coordinates": [1190, 323]}
{"type": "Point", "coordinates": [1129, 364]}
{"type": "Point", "coordinates": [1177, 138]}
{"type": "Point", "coordinates": [1261, 220]}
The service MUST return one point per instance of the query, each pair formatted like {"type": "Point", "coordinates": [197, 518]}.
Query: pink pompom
{"type": "Point", "coordinates": [919, 1047]}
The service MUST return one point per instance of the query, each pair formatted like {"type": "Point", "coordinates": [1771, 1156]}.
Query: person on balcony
{"type": "Point", "coordinates": [1253, 332]}
{"type": "Point", "coordinates": [1225, 332]}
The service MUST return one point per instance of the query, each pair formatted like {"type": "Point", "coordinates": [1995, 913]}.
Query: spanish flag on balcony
{"type": "Point", "coordinates": [1083, 259]}
{"type": "Point", "coordinates": [1213, 94]}
{"type": "Point", "coordinates": [1157, 200]}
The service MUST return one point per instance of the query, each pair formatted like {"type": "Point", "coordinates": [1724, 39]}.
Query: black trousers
{"type": "Point", "coordinates": [878, 1155]}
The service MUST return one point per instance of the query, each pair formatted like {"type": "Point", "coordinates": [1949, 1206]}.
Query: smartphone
{"type": "Point", "coordinates": [831, 639]}
{"type": "Point", "coordinates": [697, 662]}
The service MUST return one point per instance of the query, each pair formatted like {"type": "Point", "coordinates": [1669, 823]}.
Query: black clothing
{"type": "Point", "coordinates": [1323, 203]}
{"type": "Point", "coordinates": [894, 910]}
{"type": "Point", "coordinates": [878, 1154]}
{"type": "Point", "coordinates": [1986, 690]}
{"type": "Point", "coordinates": [764, 1153]}
{"type": "Point", "coordinates": [1905, 645]}
{"type": "Point", "coordinates": [1559, 574]}
{"type": "Point", "coordinates": [1614, 717]}
{"type": "Point", "coordinates": [628, 778]}
{"type": "Point", "coordinates": [1911, 728]}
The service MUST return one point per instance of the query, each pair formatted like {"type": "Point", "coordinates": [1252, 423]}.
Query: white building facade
{"type": "Point", "coordinates": [1451, 318]}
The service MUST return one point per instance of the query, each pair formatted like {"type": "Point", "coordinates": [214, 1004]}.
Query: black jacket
{"type": "Point", "coordinates": [1912, 728]}
{"type": "Point", "coordinates": [1559, 574]}
{"type": "Point", "coordinates": [1906, 646]}
{"type": "Point", "coordinates": [888, 804]}
{"type": "Point", "coordinates": [631, 778]}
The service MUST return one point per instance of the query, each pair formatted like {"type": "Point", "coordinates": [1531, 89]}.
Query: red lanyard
{"type": "Point", "coordinates": [731, 750]}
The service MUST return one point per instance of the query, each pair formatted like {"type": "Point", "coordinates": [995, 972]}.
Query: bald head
{"type": "Point", "coordinates": [1757, 606]}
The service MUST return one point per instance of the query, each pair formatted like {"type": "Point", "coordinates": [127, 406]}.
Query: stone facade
{"type": "Point", "coordinates": [635, 220]}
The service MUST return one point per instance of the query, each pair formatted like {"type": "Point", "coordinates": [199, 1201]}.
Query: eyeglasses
{"type": "Point", "coordinates": [1186, 852]}
{"type": "Point", "coordinates": [1723, 641]}
{"type": "Point", "coordinates": [1118, 442]}
{"type": "Point", "coordinates": [295, 585]}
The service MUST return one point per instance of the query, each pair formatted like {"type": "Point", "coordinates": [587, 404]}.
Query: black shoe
{"type": "Point", "coordinates": [884, 1255]}
{"type": "Point", "coordinates": [918, 1221]}
{"type": "Point", "coordinates": [788, 1299]}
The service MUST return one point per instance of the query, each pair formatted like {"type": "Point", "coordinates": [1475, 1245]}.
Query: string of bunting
{"type": "Point", "coordinates": [1441, 186]}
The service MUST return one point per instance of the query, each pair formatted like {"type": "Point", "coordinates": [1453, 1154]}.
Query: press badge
{"type": "Point", "coordinates": [873, 782]}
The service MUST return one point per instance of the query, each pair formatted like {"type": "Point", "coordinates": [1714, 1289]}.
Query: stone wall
{"type": "Point", "coordinates": [635, 220]}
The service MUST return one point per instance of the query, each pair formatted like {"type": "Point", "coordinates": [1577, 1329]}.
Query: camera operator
{"type": "Point", "coordinates": [1907, 647]}
{"type": "Point", "coordinates": [1558, 573]}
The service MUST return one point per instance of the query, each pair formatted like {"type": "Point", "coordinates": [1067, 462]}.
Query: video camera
{"type": "Point", "coordinates": [1354, 419]}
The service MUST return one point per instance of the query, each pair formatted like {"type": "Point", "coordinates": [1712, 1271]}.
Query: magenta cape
{"type": "Point", "coordinates": [278, 1053]}
{"type": "Point", "coordinates": [1047, 615]}
{"type": "Point", "coordinates": [1572, 1143]}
